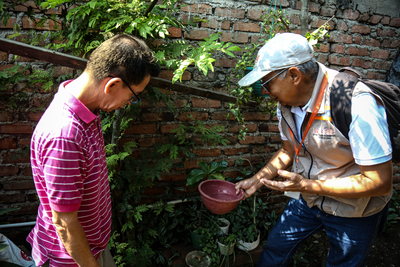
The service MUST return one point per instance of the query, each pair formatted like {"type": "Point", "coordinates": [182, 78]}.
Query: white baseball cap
{"type": "Point", "coordinates": [282, 51]}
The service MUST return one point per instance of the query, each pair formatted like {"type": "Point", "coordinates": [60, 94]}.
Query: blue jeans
{"type": "Point", "coordinates": [350, 239]}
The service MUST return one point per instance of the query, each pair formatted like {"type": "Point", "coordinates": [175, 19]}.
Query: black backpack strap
{"type": "Point", "coordinates": [340, 101]}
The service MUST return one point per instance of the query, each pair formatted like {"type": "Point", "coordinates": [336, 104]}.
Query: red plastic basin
{"type": "Point", "coordinates": [219, 196]}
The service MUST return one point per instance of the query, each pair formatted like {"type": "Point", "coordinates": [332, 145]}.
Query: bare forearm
{"type": "Point", "coordinates": [355, 186]}
{"type": "Point", "coordinates": [75, 241]}
{"type": "Point", "coordinates": [374, 180]}
{"type": "Point", "coordinates": [280, 161]}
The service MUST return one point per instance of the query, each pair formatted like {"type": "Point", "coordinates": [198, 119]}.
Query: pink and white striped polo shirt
{"type": "Point", "coordinates": [70, 174]}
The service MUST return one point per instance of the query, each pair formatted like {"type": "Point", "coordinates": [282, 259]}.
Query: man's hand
{"type": "Point", "coordinates": [294, 182]}
{"type": "Point", "coordinates": [249, 186]}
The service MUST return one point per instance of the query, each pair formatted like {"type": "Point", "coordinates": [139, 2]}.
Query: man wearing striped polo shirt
{"type": "Point", "coordinates": [68, 159]}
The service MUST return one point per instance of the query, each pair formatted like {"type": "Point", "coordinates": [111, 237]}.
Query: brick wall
{"type": "Point", "coordinates": [359, 38]}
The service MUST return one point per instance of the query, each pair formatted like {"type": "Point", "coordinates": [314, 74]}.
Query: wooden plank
{"type": "Point", "coordinates": [30, 51]}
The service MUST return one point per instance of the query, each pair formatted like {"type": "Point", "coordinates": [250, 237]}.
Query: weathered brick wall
{"type": "Point", "coordinates": [367, 39]}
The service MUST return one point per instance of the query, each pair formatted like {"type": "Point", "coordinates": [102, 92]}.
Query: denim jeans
{"type": "Point", "coordinates": [350, 239]}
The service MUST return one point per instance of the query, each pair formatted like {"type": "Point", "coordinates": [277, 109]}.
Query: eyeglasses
{"type": "Point", "coordinates": [132, 101]}
{"type": "Point", "coordinates": [262, 84]}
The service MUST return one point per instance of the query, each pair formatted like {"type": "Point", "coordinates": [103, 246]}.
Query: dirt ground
{"type": "Point", "coordinates": [385, 252]}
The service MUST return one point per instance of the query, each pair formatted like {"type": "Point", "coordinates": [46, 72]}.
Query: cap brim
{"type": "Point", "coordinates": [252, 77]}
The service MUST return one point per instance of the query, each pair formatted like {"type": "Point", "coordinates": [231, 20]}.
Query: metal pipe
{"type": "Point", "coordinates": [11, 225]}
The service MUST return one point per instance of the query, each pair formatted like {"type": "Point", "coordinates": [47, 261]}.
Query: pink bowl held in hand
{"type": "Point", "coordinates": [219, 196]}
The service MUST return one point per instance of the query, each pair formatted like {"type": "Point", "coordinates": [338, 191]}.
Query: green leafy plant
{"type": "Point", "coordinates": [206, 171]}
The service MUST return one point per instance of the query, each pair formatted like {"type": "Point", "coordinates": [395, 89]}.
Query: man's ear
{"type": "Point", "coordinates": [295, 75]}
{"type": "Point", "coordinates": [111, 84]}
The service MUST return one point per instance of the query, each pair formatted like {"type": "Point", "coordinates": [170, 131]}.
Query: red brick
{"type": "Point", "coordinates": [226, 25]}
{"type": "Point", "coordinates": [385, 20]}
{"type": "Point", "coordinates": [256, 116]}
{"type": "Point", "coordinates": [322, 58]}
{"type": "Point", "coordinates": [383, 65]}
{"type": "Point", "coordinates": [235, 151]}
{"type": "Point", "coordinates": [207, 152]}
{"type": "Point", "coordinates": [24, 142]}
{"type": "Point", "coordinates": [362, 63]}
{"type": "Point", "coordinates": [167, 128]}
{"type": "Point", "coordinates": [386, 32]}
{"type": "Point", "coordinates": [351, 14]}
{"type": "Point", "coordinates": [235, 37]}
{"type": "Point", "coordinates": [382, 54]}
{"type": "Point", "coordinates": [47, 26]}
{"type": "Point", "coordinates": [16, 128]}
{"type": "Point", "coordinates": [9, 24]}
{"type": "Point", "coordinates": [252, 140]}
{"type": "Point", "coordinates": [221, 116]}
{"type": "Point", "coordinates": [338, 60]}
{"type": "Point", "coordinates": [143, 128]}
{"type": "Point", "coordinates": [16, 157]}
{"type": "Point", "coordinates": [360, 29]}
{"type": "Point", "coordinates": [148, 142]}
{"type": "Point", "coordinates": [27, 171]}
{"type": "Point", "coordinates": [158, 116]}
{"type": "Point", "coordinates": [375, 75]}
{"type": "Point", "coordinates": [169, 74]}
{"type": "Point", "coordinates": [357, 51]}
{"type": "Point", "coordinates": [327, 12]}
{"type": "Point", "coordinates": [8, 143]}
{"type": "Point", "coordinates": [8, 170]}
{"type": "Point", "coordinates": [197, 34]}
{"type": "Point", "coordinates": [364, 17]}
{"type": "Point", "coordinates": [210, 23]}
{"type": "Point", "coordinates": [313, 7]}
{"type": "Point", "coordinates": [19, 185]}
{"type": "Point", "coordinates": [11, 198]}
{"type": "Point", "coordinates": [342, 26]}
{"type": "Point", "coordinates": [196, 8]}
{"type": "Point", "coordinates": [395, 22]}
{"type": "Point", "coordinates": [229, 13]}
{"type": "Point", "coordinates": [390, 43]}
{"type": "Point", "coordinates": [6, 116]}
{"type": "Point", "coordinates": [342, 38]}
{"type": "Point", "coordinates": [194, 116]}
{"type": "Point", "coordinates": [35, 116]}
{"type": "Point", "coordinates": [295, 19]}
{"type": "Point", "coordinates": [338, 48]}
{"type": "Point", "coordinates": [3, 56]}
{"type": "Point", "coordinates": [246, 26]}
{"type": "Point", "coordinates": [255, 14]}
{"type": "Point", "coordinates": [371, 42]}
{"type": "Point", "coordinates": [250, 128]}
{"type": "Point", "coordinates": [225, 62]}
{"type": "Point", "coordinates": [205, 103]}
{"type": "Point", "coordinates": [375, 19]}
{"type": "Point", "coordinates": [174, 32]}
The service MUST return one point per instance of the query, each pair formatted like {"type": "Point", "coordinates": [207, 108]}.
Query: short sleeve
{"type": "Point", "coordinates": [63, 165]}
{"type": "Point", "coordinates": [369, 134]}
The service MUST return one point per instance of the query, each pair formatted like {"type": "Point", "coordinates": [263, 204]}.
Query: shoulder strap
{"type": "Point", "coordinates": [340, 100]}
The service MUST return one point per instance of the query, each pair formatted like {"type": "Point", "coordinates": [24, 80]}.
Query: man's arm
{"type": "Point", "coordinates": [73, 237]}
{"type": "Point", "coordinates": [374, 180]}
{"type": "Point", "coordinates": [282, 159]}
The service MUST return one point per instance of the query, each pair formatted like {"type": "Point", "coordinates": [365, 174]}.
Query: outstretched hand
{"type": "Point", "coordinates": [249, 187]}
{"type": "Point", "coordinates": [293, 182]}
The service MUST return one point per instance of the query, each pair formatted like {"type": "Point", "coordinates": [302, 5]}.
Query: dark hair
{"type": "Point", "coordinates": [124, 56]}
{"type": "Point", "coordinates": [309, 68]}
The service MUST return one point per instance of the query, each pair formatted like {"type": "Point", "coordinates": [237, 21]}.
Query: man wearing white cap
{"type": "Point", "coordinates": [339, 184]}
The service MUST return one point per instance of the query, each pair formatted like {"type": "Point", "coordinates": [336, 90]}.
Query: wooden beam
{"type": "Point", "coordinates": [30, 51]}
